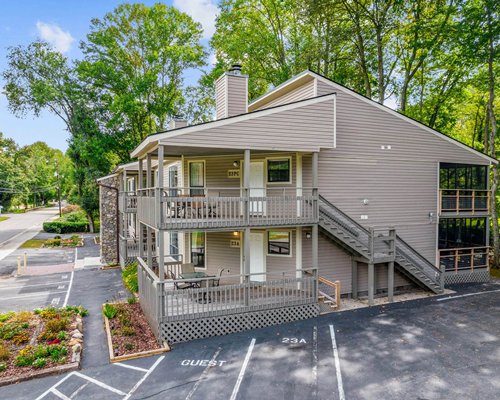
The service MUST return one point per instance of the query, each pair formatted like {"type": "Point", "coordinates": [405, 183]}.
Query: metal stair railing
{"type": "Point", "coordinates": [412, 256]}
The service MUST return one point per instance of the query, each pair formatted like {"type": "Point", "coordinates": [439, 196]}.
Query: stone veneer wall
{"type": "Point", "coordinates": [109, 223]}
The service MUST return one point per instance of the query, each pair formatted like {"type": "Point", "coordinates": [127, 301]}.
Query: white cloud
{"type": "Point", "coordinates": [53, 34]}
{"type": "Point", "coordinates": [202, 11]}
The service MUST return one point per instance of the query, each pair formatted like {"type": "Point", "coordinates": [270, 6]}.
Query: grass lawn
{"type": "Point", "coordinates": [32, 244]}
{"type": "Point", "coordinates": [3, 218]}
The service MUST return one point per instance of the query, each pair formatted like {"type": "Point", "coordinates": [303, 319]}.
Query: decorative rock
{"type": "Point", "coordinates": [76, 334]}
{"type": "Point", "coordinates": [75, 357]}
{"type": "Point", "coordinates": [77, 348]}
{"type": "Point", "coordinates": [79, 326]}
{"type": "Point", "coordinates": [74, 341]}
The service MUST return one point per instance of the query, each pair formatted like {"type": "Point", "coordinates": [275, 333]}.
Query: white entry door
{"type": "Point", "coordinates": [257, 256]}
{"type": "Point", "coordinates": [257, 187]}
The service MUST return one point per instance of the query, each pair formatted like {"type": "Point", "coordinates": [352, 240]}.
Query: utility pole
{"type": "Point", "coordinates": [58, 187]}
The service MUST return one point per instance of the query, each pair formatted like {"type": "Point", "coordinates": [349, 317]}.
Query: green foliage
{"type": "Point", "coordinates": [4, 352]}
{"type": "Point", "coordinates": [56, 325]}
{"type": "Point", "coordinates": [3, 366]}
{"type": "Point", "coordinates": [109, 311]}
{"type": "Point", "coordinates": [6, 316]}
{"type": "Point", "coordinates": [129, 276]}
{"type": "Point", "coordinates": [132, 300]}
{"type": "Point", "coordinates": [63, 227]}
{"type": "Point", "coordinates": [128, 331]}
{"type": "Point", "coordinates": [39, 362]}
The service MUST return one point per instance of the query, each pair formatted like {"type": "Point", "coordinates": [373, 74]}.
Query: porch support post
{"type": "Point", "coordinates": [390, 281]}
{"type": "Point", "coordinates": [159, 219]}
{"type": "Point", "coordinates": [354, 279]}
{"type": "Point", "coordinates": [123, 199]}
{"type": "Point", "coordinates": [148, 171]}
{"type": "Point", "coordinates": [371, 283]}
{"type": "Point", "coordinates": [139, 228]}
{"type": "Point", "coordinates": [246, 183]}
{"type": "Point", "coordinates": [246, 263]}
{"type": "Point", "coordinates": [314, 235]}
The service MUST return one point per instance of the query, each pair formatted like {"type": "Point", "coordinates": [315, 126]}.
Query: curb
{"type": "Point", "coordinates": [113, 358]}
{"type": "Point", "coordinates": [60, 369]}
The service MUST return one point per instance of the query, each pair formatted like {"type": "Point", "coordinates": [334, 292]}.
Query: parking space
{"type": "Point", "coordinates": [434, 348]}
{"type": "Point", "coordinates": [29, 292]}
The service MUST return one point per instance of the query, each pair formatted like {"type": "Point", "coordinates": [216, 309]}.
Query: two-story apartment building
{"type": "Point", "coordinates": [309, 184]}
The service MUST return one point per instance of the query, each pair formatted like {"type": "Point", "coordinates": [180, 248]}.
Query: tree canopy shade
{"type": "Point", "coordinates": [134, 62]}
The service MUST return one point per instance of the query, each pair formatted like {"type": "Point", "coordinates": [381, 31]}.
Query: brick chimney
{"type": "Point", "coordinates": [177, 122]}
{"type": "Point", "coordinates": [231, 93]}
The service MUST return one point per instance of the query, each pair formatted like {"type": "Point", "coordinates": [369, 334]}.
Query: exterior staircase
{"type": "Point", "coordinates": [377, 246]}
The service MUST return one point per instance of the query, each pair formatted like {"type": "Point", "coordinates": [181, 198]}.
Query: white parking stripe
{"type": "Point", "coordinates": [204, 373]}
{"type": "Point", "coordinates": [6, 285]}
{"type": "Point", "coordinates": [337, 364]}
{"type": "Point", "coordinates": [243, 368]}
{"type": "Point", "coordinates": [54, 386]}
{"type": "Point", "coordinates": [315, 362]}
{"type": "Point", "coordinates": [99, 383]}
{"type": "Point", "coordinates": [130, 367]}
{"type": "Point", "coordinates": [466, 295]}
{"type": "Point", "coordinates": [69, 289]}
{"type": "Point", "coordinates": [59, 394]}
{"type": "Point", "coordinates": [150, 370]}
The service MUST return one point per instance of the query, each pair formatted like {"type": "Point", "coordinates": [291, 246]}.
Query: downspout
{"type": "Point", "coordinates": [117, 218]}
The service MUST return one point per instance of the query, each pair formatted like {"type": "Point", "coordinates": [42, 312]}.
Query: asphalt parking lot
{"type": "Point", "coordinates": [434, 348]}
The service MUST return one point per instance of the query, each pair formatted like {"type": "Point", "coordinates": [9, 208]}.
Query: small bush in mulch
{"type": "Point", "coordinates": [35, 340]}
{"type": "Point", "coordinates": [130, 331]}
{"type": "Point", "coordinates": [57, 241]}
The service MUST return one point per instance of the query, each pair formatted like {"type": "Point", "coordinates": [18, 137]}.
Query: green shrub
{"type": "Point", "coordinates": [39, 363]}
{"type": "Point", "coordinates": [109, 311]}
{"type": "Point", "coordinates": [65, 226]}
{"type": "Point", "coordinates": [132, 300]}
{"type": "Point", "coordinates": [3, 366]}
{"type": "Point", "coordinates": [4, 352]}
{"type": "Point", "coordinates": [56, 325]}
{"type": "Point", "coordinates": [128, 331]}
{"type": "Point", "coordinates": [6, 316]}
{"type": "Point", "coordinates": [52, 243]}
{"type": "Point", "coordinates": [129, 276]}
{"type": "Point", "coordinates": [129, 346]}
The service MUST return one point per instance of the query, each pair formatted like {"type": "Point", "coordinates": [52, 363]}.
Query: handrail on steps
{"type": "Point", "coordinates": [335, 285]}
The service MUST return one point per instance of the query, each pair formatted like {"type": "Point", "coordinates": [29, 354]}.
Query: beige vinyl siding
{"type": "Point", "coordinates": [236, 95]}
{"type": "Point", "coordinates": [219, 255]}
{"type": "Point", "coordinates": [336, 265]}
{"type": "Point", "coordinates": [216, 172]}
{"type": "Point", "coordinates": [304, 128]}
{"type": "Point", "coordinates": [302, 92]}
{"type": "Point", "coordinates": [220, 98]}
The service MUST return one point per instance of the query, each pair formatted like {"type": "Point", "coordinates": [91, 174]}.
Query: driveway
{"type": "Point", "coordinates": [21, 227]}
{"type": "Point", "coordinates": [435, 348]}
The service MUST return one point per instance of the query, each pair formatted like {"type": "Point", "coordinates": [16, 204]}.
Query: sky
{"type": "Point", "coordinates": [64, 23]}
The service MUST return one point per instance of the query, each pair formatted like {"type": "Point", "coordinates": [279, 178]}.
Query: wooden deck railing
{"type": "Point", "coordinates": [162, 302]}
{"type": "Point", "coordinates": [464, 259]}
{"type": "Point", "coordinates": [127, 202]}
{"type": "Point", "coordinates": [464, 200]}
{"type": "Point", "coordinates": [205, 208]}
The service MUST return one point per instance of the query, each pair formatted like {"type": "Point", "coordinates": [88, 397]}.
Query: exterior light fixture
{"type": "Point", "coordinates": [236, 233]}
{"type": "Point", "coordinates": [236, 164]}
{"type": "Point", "coordinates": [366, 202]}
{"type": "Point", "coordinates": [308, 235]}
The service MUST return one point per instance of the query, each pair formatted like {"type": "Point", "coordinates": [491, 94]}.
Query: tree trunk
{"type": "Point", "coordinates": [90, 220]}
{"type": "Point", "coordinates": [493, 134]}
{"type": "Point", "coordinates": [380, 61]}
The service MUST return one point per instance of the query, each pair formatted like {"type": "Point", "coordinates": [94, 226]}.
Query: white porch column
{"type": "Point", "coordinates": [123, 199]}
{"type": "Point", "coordinates": [158, 205]}
{"type": "Point", "coordinates": [149, 233]}
{"type": "Point", "coordinates": [246, 238]}
{"type": "Point", "coordinates": [139, 228]}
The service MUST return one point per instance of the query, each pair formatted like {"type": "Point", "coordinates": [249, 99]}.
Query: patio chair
{"type": "Point", "coordinates": [188, 268]}
{"type": "Point", "coordinates": [216, 281]}
{"type": "Point", "coordinates": [182, 285]}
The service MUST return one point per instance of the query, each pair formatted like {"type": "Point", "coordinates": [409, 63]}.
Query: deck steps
{"type": "Point", "coordinates": [355, 239]}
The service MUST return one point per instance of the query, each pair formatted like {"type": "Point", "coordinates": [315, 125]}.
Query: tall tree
{"type": "Point", "coordinates": [134, 62]}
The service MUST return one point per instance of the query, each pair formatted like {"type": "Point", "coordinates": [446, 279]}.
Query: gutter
{"type": "Point", "coordinates": [117, 218]}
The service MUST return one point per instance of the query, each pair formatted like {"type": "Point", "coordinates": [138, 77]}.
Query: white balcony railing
{"type": "Point", "coordinates": [205, 208]}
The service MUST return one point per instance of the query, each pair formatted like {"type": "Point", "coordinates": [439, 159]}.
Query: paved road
{"type": "Point", "coordinates": [21, 227]}
{"type": "Point", "coordinates": [434, 348]}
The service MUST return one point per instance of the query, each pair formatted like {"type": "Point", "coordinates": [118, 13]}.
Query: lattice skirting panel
{"type": "Point", "coordinates": [183, 331]}
{"type": "Point", "coordinates": [482, 275]}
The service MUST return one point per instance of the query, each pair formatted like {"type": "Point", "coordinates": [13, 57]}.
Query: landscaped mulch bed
{"type": "Point", "coordinates": [33, 342]}
{"type": "Point", "coordinates": [129, 330]}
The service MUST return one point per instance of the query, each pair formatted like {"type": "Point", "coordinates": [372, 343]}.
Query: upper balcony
{"type": "Point", "coordinates": [464, 201]}
{"type": "Point", "coordinates": [226, 208]}
{"type": "Point", "coordinates": [127, 202]}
